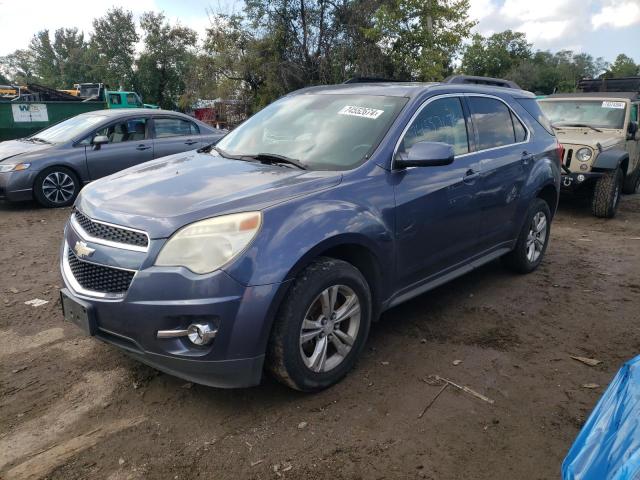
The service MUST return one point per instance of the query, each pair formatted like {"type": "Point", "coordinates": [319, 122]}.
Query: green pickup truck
{"type": "Point", "coordinates": [35, 107]}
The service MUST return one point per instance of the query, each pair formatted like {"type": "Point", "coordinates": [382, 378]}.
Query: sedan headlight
{"type": "Point", "coordinates": [584, 154]}
{"type": "Point", "coordinates": [205, 246]}
{"type": "Point", "coordinates": [13, 167]}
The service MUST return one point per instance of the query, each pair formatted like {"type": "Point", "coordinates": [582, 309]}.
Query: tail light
{"type": "Point", "coordinates": [560, 149]}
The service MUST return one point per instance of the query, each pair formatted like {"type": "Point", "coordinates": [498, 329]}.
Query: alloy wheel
{"type": "Point", "coordinates": [58, 187]}
{"type": "Point", "coordinates": [537, 236]}
{"type": "Point", "coordinates": [330, 328]}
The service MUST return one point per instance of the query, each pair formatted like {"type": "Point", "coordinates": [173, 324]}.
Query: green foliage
{"type": "Point", "coordinates": [422, 36]}
{"type": "Point", "coordinates": [623, 66]}
{"type": "Point", "coordinates": [496, 55]}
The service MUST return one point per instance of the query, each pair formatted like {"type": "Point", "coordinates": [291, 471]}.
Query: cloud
{"type": "Point", "coordinates": [544, 31]}
{"type": "Point", "coordinates": [16, 31]}
{"type": "Point", "coordinates": [617, 16]}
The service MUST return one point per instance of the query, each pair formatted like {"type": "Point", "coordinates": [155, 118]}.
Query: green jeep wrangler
{"type": "Point", "coordinates": [599, 133]}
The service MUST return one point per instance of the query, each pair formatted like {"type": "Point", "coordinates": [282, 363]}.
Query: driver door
{"type": "Point", "coordinates": [633, 144]}
{"type": "Point", "coordinates": [437, 212]}
{"type": "Point", "coordinates": [129, 144]}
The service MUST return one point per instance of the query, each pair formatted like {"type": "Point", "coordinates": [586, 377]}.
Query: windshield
{"type": "Point", "coordinates": [594, 113]}
{"type": "Point", "coordinates": [68, 129]}
{"type": "Point", "coordinates": [321, 132]}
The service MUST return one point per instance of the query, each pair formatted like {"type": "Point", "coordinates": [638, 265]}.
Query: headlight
{"type": "Point", "coordinates": [13, 167]}
{"type": "Point", "coordinates": [205, 246]}
{"type": "Point", "coordinates": [584, 154]}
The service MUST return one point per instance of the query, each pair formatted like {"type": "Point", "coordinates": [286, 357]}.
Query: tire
{"type": "Point", "coordinates": [56, 187]}
{"type": "Point", "coordinates": [606, 194]}
{"type": "Point", "coordinates": [290, 359]}
{"type": "Point", "coordinates": [532, 241]}
{"type": "Point", "coordinates": [632, 183]}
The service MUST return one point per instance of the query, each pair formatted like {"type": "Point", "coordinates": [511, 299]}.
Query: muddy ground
{"type": "Point", "coordinates": [72, 407]}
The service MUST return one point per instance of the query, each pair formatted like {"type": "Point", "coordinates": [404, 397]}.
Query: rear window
{"type": "Point", "coordinates": [532, 107]}
{"type": "Point", "coordinates": [493, 123]}
{"type": "Point", "coordinates": [174, 127]}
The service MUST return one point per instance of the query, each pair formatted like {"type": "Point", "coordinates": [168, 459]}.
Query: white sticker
{"type": "Point", "coordinates": [30, 112]}
{"type": "Point", "coordinates": [607, 104]}
{"type": "Point", "coordinates": [360, 112]}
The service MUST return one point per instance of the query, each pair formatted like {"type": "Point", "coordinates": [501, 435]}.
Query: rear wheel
{"type": "Point", "coordinates": [56, 187]}
{"type": "Point", "coordinates": [532, 241]}
{"type": "Point", "coordinates": [606, 194]}
{"type": "Point", "coordinates": [321, 327]}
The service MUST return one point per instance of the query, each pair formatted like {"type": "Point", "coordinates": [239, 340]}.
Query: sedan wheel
{"type": "Point", "coordinates": [56, 187]}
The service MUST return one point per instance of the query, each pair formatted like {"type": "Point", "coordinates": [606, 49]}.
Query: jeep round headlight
{"type": "Point", "coordinates": [205, 246]}
{"type": "Point", "coordinates": [584, 154]}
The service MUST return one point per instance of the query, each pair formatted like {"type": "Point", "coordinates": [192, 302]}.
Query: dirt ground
{"type": "Point", "coordinates": [72, 407]}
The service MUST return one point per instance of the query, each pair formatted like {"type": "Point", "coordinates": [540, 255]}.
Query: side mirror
{"type": "Point", "coordinates": [99, 140]}
{"type": "Point", "coordinates": [632, 129]}
{"type": "Point", "coordinates": [425, 154]}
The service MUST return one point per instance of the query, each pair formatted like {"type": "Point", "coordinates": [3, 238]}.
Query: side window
{"type": "Point", "coordinates": [114, 99]}
{"type": "Point", "coordinates": [493, 123]}
{"type": "Point", "coordinates": [173, 127]}
{"type": "Point", "coordinates": [440, 121]}
{"type": "Point", "coordinates": [518, 128]}
{"type": "Point", "coordinates": [128, 130]}
{"type": "Point", "coordinates": [634, 112]}
{"type": "Point", "coordinates": [132, 99]}
{"type": "Point", "coordinates": [194, 129]}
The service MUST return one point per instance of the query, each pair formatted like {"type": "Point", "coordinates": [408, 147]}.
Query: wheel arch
{"type": "Point", "coordinates": [549, 193]}
{"type": "Point", "coordinates": [610, 160]}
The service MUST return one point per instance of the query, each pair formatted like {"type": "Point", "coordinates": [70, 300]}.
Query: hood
{"type": "Point", "coordinates": [588, 137]}
{"type": "Point", "coordinates": [166, 194]}
{"type": "Point", "coordinates": [11, 148]}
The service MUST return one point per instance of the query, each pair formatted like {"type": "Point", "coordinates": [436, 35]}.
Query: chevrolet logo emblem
{"type": "Point", "coordinates": [82, 250]}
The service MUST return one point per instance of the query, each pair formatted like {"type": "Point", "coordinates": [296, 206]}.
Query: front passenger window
{"type": "Point", "coordinates": [125, 131]}
{"type": "Point", "coordinates": [442, 120]}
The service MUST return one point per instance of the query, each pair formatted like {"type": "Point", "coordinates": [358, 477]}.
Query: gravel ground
{"type": "Point", "coordinates": [72, 407]}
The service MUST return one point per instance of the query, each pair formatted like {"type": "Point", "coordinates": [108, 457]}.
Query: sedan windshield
{"type": "Point", "coordinates": [581, 113]}
{"type": "Point", "coordinates": [68, 129]}
{"type": "Point", "coordinates": [318, 131]}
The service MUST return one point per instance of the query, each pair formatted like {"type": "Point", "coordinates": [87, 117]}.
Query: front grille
{"type": "Point", "coordinates": [111, 233]}
{"type": "Point", "coordinates": [99, 278]}
{"type": "Point", "coordinates": [569, 155]}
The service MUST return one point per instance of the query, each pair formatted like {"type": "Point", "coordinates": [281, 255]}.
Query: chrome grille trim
{"type": "Point", "coordinates": [102, 241]}
{"type": "Point", "coordinates": [79, 289]}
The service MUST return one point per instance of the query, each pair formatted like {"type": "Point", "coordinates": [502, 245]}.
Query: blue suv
{"type": "Point", "coordinates": [276, 248]}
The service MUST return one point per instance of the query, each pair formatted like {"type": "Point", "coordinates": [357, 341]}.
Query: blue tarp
{"type": "Point", "coordinates": [608, 446]}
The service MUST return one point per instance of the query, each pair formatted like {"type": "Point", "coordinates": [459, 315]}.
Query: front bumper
{"type": "Point", "coordinates": [17, 186]}
{"type": "Point", "coordinates": [572, 181]}
{"type": "Point", "coordinates": [172, 298]}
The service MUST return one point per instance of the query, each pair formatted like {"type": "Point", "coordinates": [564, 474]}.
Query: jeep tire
{"type": "Point", "coordinates": [606, 194]}
{"type": "Point", "coordinates": [632, 182]}
{"type": "Point", "coordinates": [309, 320]}
{"type": "Point", "coordinates": [532, 241]}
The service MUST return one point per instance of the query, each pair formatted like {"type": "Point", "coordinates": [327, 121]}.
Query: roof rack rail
{"type": "Point", "coordinates": [472, 79]}
{"type": "Point", "coordinates": [621, 84]}
{"type": "Point", "coordinates": [371, 80]}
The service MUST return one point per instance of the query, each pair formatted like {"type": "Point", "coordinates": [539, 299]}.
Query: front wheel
{"type": "Point", "coordinates": [532, 241]}
{"type": "Point", "coordinates": [606, 194]}
{"type": "Point", "coordinates": [56, 187]}
{"type": "Point", "coordinates": [321, 326]}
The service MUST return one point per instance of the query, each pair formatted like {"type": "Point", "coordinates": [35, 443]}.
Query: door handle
{"type": "Point", "coordinates": [527, 158]}
{"type": "Point", "coordinates": [191, 142]}
{"type": "Point", "coordinates": [143, 147]}
{"type": "Point", "coordinates": [470, 176]}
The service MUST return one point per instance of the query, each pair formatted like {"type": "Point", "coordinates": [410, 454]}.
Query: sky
{"type": "Point", "coordinates": [602, 28]}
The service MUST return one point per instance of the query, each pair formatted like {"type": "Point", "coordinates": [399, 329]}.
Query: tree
{"type": "Point", "coordinates": [422, 36]}
{"type": "Point", "coordinates": [623, 66]}
{"type": "Point", "coordinates": [72, 57]}
{"type": "Point", "coordinates": [496, 55]}
{"type": "Point", "coordinates": [167, 55]}
{"type": "Point", "coordinates": [113, 44]}
{"type": "Point", "coordinates": [44, 57]}
{"type": "Point", "coordinates": [18, 67]}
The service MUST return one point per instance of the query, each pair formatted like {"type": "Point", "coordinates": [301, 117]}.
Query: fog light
{"type": "Point", "coordinates": [200, 333]}
{"type": "Point", "coordinates": [581, 178]}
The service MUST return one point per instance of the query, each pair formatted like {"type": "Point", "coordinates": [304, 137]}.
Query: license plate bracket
{"type": "Point", "coordinates": [78, 312]}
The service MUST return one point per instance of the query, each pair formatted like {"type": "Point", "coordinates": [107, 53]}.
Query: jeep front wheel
{"type": "Point", "coordinates": [606, 194]}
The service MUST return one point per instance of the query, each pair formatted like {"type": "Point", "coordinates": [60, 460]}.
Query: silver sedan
{"type": "Point", "coordinates": [52, 165]}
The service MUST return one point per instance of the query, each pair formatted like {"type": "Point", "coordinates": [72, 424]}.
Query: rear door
{"type": "Point", "coordinates": [129, 144]}
{"type": "Point", "coordinates": [174, 135]}
{"type": "Point", "coordinates": [506, 159]}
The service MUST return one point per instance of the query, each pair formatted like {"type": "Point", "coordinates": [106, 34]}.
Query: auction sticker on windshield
{"type": "Point", "coordinates": [364, 112]}
{"type": "Point", "coordinates": [607, 104]}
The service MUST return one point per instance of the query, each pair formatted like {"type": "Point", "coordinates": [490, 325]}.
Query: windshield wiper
{"type": "Point", "coordinates": [584, 125]}
{"type": "Point", "coordinates": [274, 158]}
